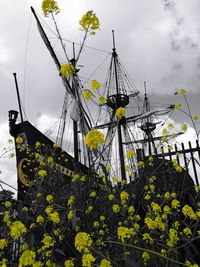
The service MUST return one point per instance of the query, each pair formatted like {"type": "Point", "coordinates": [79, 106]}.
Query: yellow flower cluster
{"type": "Point", "coordinates": [182, 92]}
{"type": "Point", "coordinates": [94, 138]}
{"type": "Point", "coordinates": [195, 117]}
{"type": "Point", "coordinates": [82, 241]}
{"type": "Point", "coordinates": [42, 173]}
{"type": "Point", "coordinates": [47, 241]}
{"type": "Point", "coordinates": [145, 257]}
{"type": "Point", "coordinates": [3, 243]}
{"type": "Point", "coordinates": [124, 233]}
{"type": "Point", "coordinates": [19, 140]}
{"type": "Point", "coordinates": [147, 238]}
{"type": "Point", "coordinates": [189, 212]}
{"type": "Point", "coordinates": [17, 228]}
{"type": "Point", "coordinates": [7, 204]}
{"type": "Point", "coordinates": [69, 263]}
{"type": "Point", "coordinates": [173, 237]}
{"type": "Point", "coordinates": [124, 197]}
{"type": "Point", "coordinates": [27, 258]}
{"type": "Point", "coordinates": [120, 113]}
{"type": "Point", "coordinates": [89, 22]}
{"type": "Point", "coordinates": [87, 260]}
{"type": "Point", "coordinates": [95, 85]}
{"type": "Point", "coordinates": [184, 127]}
{"type": "Point", "coordinates": [67, 70]}
{"type": "Point", "coordinates": [87, 94]}
{"type": "Point", "coordinates": [130, 154]}
{"type": "Point", "coordinates": [155, 207]}
{"type": "Point", "coordinates": [49, 6]}
{"type": "Point", "coordinates": [175, 204]}
{"type": "Point", "coordinates": [102, 100]}
{"type": "Point", "coordinates": [40, 219]}
{"type": "Point", "coordinates": [116, 208]}
{"type": "Point", "coordinates": [105, 263]}
{"type": "Point", "coordinates": [49, 198]}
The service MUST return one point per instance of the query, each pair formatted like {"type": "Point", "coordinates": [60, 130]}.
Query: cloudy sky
{"type": "Point", "coordinates": [157, 41]}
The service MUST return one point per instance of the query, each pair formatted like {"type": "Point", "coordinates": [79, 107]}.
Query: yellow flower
{"type": "Point", "coordinates": [89, 22]}
{"type": "Point", "coordinates": [87, 260]}
{"type": "Point", "coordinates": [42, 173]}
{"type": "Point", "coordinates": [96, 224]}
{"type": "Point", "coordinates": [147, 238]}
{"type": "Point", "coordinates": [105, 263]}
{"type": "Point", "coordinates": [167, 195]}
{"type": "Point", "coordinates": [102, 100]}
{"type": "Point", "coordinates": [102, 218]}
{"type": "Point", "coordinates": [187, 231]}
{"type": "Point", "coordinates": [70, 215]}
{"type": "Point", "coordinates": [50, 160]}
{"type": "Point", "coordinates": [49, 198]}
{"type": "Point", "coordinates": [87, 94]}
{"type": "Point", "coordinates": [170, 125]}
{"type": "Point", "coordinates": [140, 164]}
{"type": "Point", "coordinates": [147, 197]}
{"type": "Point", "coordinates": [48, 210]}
{"type": "Point", "coordinates": [177, 167]}
{"type": "Point", "coordinates": [94, 138]}
{"type": "Point", "coordinates": [54, 217]}
{"type": "Point", "coordinates": [124, 233]}
{"type": "Point", "coordinates": [150, 223]}
{"type": "Point", "coordinates": [3, 263]}
{"type": "Point", "coordinates": [124, 197]}
{"type": "Point", "coordinates": [69, 263]}
{"type": "Point", "coordinates": [164, 131]}
{"type": "Point", "coordinates": [131, 210]}
{"type": "Point", "coordinates": [177, 106]}
{"type": "Point", "coordinates": [93, 194]}
{"type": "Point", "coordinates": [173, 195]}
{"type": "Point", "coordinates": [27, 258]}
{"type": "Point", "coordinates": [182, 92]}
{"type": "Point", "coordinates": [55, 145]}
{"type": "Point", "coordinates": [40, 219]}
{"type": "Point", "coordinates": [173, 237]}
{"type": "Point", "coordinates": [166, 209]}
{"type": "Point", "coordinates": [120, 113]}
{"type": "Point", "coordinates": [95, 85]}
{"type": "Point", "coordinates": [49, 6]}
{"type": "Point", "coordinates": [130, 153]}
{"type": "Point", "coordinates": [47, 241]}
{"type": "Point", "coordinates": [175, 204]}
{"type": "Point", "coordinates": [11, 155]}
{"type": "Point", "coordinates": [19, 140]}
{"type": "Point", "coordinates": [145, 257]}
{"type": "Point", "coordinates": [17, 228]}
{"type": "Point", "coordinates": [195, 116]}
{"type": "Point", "coordinates": [116, 208]}
{"type": "Point", "coordinates": [8, 204]}
{"type": "Point", "coordinates": [189, 212]}
{"type": "Point", "coordinates": [184, 127]}
{"type": "Point", "coordinates": [111, 197]}
{"type": "Point", "coordinates": [3, 243]}
{"type": "Point", "coordinates": [155, 207]}
{"type": "Point", "coordinates": [82, 241]}
{"type": "Point", "coordinates": [89, 209]}
{"type": "Point", "coordinates": [70, 200]}
{"type": "Point", "coordinates": [67, 70]}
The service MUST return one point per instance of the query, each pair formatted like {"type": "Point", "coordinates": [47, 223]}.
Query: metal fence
{"type": "Point", "coordinates": [187, 157]}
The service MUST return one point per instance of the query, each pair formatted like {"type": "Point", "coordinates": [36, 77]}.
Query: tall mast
{"type": "Point", "coordinates": [75, 124]}
{"type": "Point", "coordinates": [115, 101]}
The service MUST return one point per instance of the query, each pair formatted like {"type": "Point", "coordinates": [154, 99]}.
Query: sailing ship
{"type": "Point", "coordinates": [120, 139]}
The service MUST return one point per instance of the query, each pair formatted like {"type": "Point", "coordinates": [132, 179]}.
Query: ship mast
{"type": "Point", "coordinates": [115, 101]}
